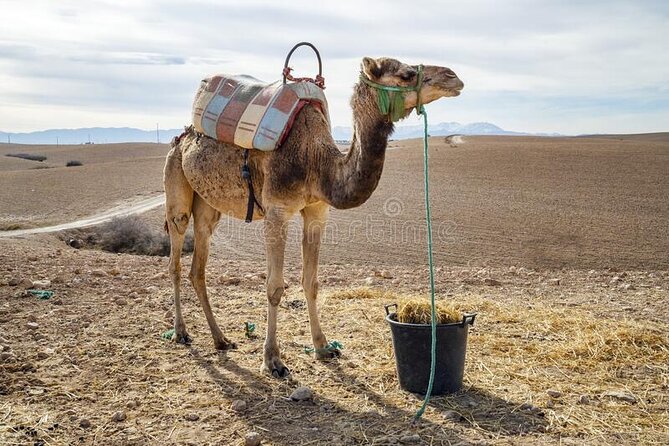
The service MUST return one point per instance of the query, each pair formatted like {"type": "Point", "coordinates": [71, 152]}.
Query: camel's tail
{"type": "Point", "coordinates": [166, 227]}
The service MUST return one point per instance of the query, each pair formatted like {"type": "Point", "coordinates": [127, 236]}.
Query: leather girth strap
{"type": "Point", "coordinates": [253, 202]}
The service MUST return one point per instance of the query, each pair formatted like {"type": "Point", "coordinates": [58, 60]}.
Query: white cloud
{"type": "Point", "coordinates": [527, 65]}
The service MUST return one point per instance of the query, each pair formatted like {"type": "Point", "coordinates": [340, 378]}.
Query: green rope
{"type": "Point", "coordinates": [392, 110]}
{"type": "Point", "coordinates": [42, 294]}
{"type": "Point", "coordinates": [428, 217]}
{"type": "Point", "coordinates": [249, 329]}
{"type": "Point", "coordinates": [330, 347]}
{"type": "Point", "coordinates": [168, 334]}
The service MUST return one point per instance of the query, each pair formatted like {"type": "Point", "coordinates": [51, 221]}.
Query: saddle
{"type": "Point", "coordinates": [241, 110]}
{"type": "Point", "coordinates": [245, 112]}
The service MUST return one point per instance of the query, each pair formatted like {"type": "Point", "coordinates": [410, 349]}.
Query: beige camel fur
{"type": "Point", "coordinates": [307, 174]}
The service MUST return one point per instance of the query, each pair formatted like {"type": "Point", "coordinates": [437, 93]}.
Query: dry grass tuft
{"type": "Point", "coordinates": [415, 311]}
{"type": "Point", "coordinates": [362, 293]}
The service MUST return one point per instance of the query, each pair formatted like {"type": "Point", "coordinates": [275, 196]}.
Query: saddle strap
{"type": "Point", "coordinates": [253, 202]}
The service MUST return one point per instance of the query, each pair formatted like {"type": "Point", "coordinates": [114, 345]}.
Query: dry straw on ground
{"type": "Point", "coordinates": [608, 378]}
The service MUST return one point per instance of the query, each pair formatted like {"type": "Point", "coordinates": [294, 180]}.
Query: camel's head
{"type": "Point", "coordinates": [437, 82]}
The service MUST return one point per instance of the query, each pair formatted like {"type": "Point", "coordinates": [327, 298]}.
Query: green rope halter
{"type": "Point", "coordinates": [391, 99]}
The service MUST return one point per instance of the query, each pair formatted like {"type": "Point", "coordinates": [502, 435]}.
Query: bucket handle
{"type": "Point", "coordinates": [387, 307]}
{"type": "Point", "coordinates": [468, 319]}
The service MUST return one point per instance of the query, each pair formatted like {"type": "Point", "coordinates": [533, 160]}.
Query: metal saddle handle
{"type": "Point", "coordinates": [319, 80]}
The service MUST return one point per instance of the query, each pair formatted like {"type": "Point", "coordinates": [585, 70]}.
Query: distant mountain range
{"type": "Point", "coordinates": [96, 135]}
{"type": "Point", "coordinates": [103, 135]}
{"type": "Point", "coordinates": [441, 129]}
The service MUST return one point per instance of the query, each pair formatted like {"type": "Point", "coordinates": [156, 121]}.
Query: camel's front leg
{"type": "Point", "coordinates": [314, 217]}
{"type": "Point", "coordinates": [276, 226]}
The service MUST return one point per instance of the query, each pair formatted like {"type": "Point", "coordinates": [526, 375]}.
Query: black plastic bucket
{"type": "Point", "coordinates": [413, 343]}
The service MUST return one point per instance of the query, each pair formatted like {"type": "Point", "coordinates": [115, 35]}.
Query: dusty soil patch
{"type": "Point", "coordinates": [93, 350]}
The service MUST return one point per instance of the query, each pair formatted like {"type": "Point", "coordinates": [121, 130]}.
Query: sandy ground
{"type": "Point", "coordinates": [559, 245]}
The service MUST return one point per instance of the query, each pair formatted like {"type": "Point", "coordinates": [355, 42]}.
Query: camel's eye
{"type": "Point", "coordinates": [408, 75]}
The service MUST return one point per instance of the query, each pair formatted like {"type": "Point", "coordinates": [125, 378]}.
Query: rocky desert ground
{"type": "Point", "coordinates": [559, 244]}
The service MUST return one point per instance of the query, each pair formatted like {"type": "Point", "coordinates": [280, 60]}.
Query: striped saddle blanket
{"type": "Point", "coordinates": [248, 113]}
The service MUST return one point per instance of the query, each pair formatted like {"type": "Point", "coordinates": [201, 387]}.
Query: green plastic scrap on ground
{"type": "Point", "coordinates": [168, 334]}
{"type": "Point", "coordinates": [332, 346]}
{"type": "Point", "coordinates": [42, 294]}
{"type": "Point", "coordinates": [249, 329]}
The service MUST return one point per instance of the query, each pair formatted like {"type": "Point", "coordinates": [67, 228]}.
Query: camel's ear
{"type": "Point", "coordinates": [371, 69]}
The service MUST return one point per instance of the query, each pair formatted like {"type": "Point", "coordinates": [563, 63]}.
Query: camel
{"type": "Point", "coordinates": [307, 174]}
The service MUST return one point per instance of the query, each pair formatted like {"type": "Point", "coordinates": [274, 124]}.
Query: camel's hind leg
{"type": "Point", "coordinates": [205, 219]}
{"type": "Point", "coordinates": [178, 206]}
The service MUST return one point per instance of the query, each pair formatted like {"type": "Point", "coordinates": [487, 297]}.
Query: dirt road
{"type": "Point", "coordinates": [118, 211]}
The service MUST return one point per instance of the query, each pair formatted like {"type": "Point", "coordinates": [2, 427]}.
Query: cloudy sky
{"type": "Point", "coordinates": [540, 66]}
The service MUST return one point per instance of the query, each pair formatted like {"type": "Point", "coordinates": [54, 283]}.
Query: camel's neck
{"type": "Point", "coordinates": [355, 176]}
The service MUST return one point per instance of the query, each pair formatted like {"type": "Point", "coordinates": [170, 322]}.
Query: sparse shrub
{"type": "Point", "coordinates": [130, 235]}
{"type": "Point", "coordinates": [28, 156]}
{"type": "Point", "coordinates": [73, 163]}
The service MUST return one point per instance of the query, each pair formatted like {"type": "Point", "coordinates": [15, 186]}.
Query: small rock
{"type": "Point", "coordinates": [114, 271]}
{"type": "Point", "coordinates": [252, 439]}
{"type": "Point", "coordinates": [451, 415]}
{"type": "Point", "coordinates": [169, 316]}
{"type": "Point", "coordinates": [119, 416]}
{"type": "Point", "coordinates": [396, 281]}
{"type": "Point", "coordinates": [32, 318]}
{"type": "Point", "coordinates": [41, 283]}
{"type": "Point", "coordinates": [526, 406]}
{"type": "Point", "coordinates": [42, 355]}
{"type": "Point", "coordinates": [120, 302]}
{"type": "Point", "coordinates": [32, 325]}
{"type": "Point", "coordinates": [621, 395]}
{"type": "Point", "coordinates": [152, 289]}
{"type": "Point", "coordinates": [192, 417]}
{"type": "Point", "coordinates": [99, 273]}
{"type": "Point", "coordinates": [224, 280]}
{"type": "Point", "coordinates": [410, 439]}
{"type": "Point", "coordinates": [491, 282]}
{"type": "Point", "coordinates": [386, 274]}
{"type": "Point", "coordinates": [132, 404]}
{"type": "Point", "coordinates": [628, 287]}
{"type": "Point", "coordinates": [616, 279]}
{"type": "Point", "coordinates": [238, 405]}
{"type": "Point", "coordinates": [302, 394]}
{"type": "Point", "coordinates": [7, 357]}
{"type": "Point", "coordinates": [26, 283]}
{"type": "Point", "coordinates": [584, 399]}
{"type": "Point", "coordinates": [368, 281]}
{"type": "Point", "coordinates": [553, 393]}
{"type": "Point", "coordinates": [133, 295]}
{"type": "Point", "coordinates": [15, 281]}
{"type": "Point", "coordinates": [76, 244]}
{"type": "Point", "coordinates": [84, 423]}
{"type": "Point", "coordinates": [554, 282]}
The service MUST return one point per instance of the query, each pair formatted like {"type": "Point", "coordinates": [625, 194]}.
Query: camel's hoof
{"type": "Point", "coordinates": [325, 355]}
{"type": "Point", "coordinates": [281, 372]}
{"type": "Point", "coordinates": [275, 368]}
{"type": "Point", "coordinates": [182, 339]}
{"type": "Point", "coordinates": [225, 345]}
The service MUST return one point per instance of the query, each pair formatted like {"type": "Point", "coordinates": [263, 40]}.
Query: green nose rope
{"type": "Point", "coordinates": [391, 103]}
